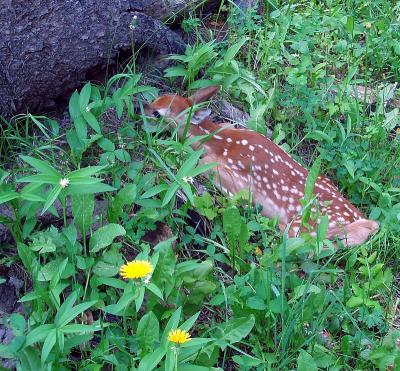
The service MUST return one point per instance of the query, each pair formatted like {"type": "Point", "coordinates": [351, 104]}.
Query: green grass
{"type": "Point", "coordinates": [251, 298]}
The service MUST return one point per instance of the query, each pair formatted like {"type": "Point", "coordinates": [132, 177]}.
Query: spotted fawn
{"type": "Point", "coordinates": [248, 160]}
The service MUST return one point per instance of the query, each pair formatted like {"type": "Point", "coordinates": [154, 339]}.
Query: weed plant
{"type": "Point", "coordinates": [226, 290]}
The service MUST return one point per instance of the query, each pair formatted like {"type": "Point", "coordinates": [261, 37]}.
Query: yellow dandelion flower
{"type": "Point", "coordinates": [136, 269]}
{"type": "Point", "coordinates": [179, 336]}
{"type": "Point", "coordinates": [258, 251]}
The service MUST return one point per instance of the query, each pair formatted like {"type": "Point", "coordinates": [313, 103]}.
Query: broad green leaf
{"type": "Point", "coordinates": [41, 166]}
{"type": "Point", "coordinates": [29, 359]}
{"type": "Point", "coordinates": [82, 211]}
{"type": "Point", "coordinates": [302, 290]}
{"type": "Point", "coordinates": [125, 300]}
{"type": "Point", "coordinates": [84, 181]}
{"type": "Point", "coordinates": [74, 110]}
{"type": "Point", "coordinates": [81, 132]}
{"type": "Point", "coordinates": [188, 192]}
{"type": "Point", "coordinates": [237, 329]}
{"type": "Point", "coordinates": [77, 327]}
{"type": "Point", "coordinates": [87, 189]}
{"type": "Point", "coordinates": [201, 169]}
{"type": "Point", "coordinates": [257, 303]}
{"type": "Point", "coordinates": [122, 155]}
{"type": "Point", "coordinates": [91, 120]}
{"type": "Point", "coordinates": [139, 297]}
{"type": "Point", "coordinates": [319, 135]}
{"type": "Point", "coordinates": [323, 227]}
{"type": "Point", "coordinates": [106, 145]}
{"type": "Point", "coordinates": [232, 223]}
{"type": "Point", "coordinates": [311, 179]}
{"type": "Point", "coordinates": [354, 301]}
{"type": "Point", "coordinates": [189, 164]}
{"type": "Point", "coordinates": [28, 258]}
{"type": "Point", "coordinates": [148, 332]}
{"type": "Point", "coordinates": [175, 72]}
{"type": "Point", "coordinates": [170, 193]}
{"type": "Point", "coordinates": [126, 196]}
{"type": "Point", "coordinates": [155, 290]}
{"type": "Point", "coordinates": [51, 197]}
{"type": "Point", "coordinates": [155, 190]}
{"type": "Point", "coordinates": [113, 282]}
{"type": "Point", "coordinates": [188, 324]}
{"type": "Point", "coordinates": [233, 50]}
{"type": "Point", "coordinates": [84, 172]}
{"type": "Point", "coordinates": [305, 362]}
{"type": "Point", "coordinates": [171, 325]}
{"type": "Point", "coordinates": [84, 97]}
{"type": "Point", "coordinates": [349, 24]}
{"type": "Point", "coordinates": [33, 295]}
{"type": "Point", "coordinates": [38, 334]}
{"type": "Point", "coordinates": [105, 269]}
{"type": "Point", "coordinates": [8, 196]}
{"type": "Point", "coordinates": [104, 236]}
{"type": "Point", "coordinates": [40, 178]}
{"type": "Point", "coordinates": [48, 345]}
{"type": "Point", "coordinates": [72, 313]}
{"type": "Point", "coordinates": [350, 167]}
{"type": "Point", "coordinates": [151, 360]}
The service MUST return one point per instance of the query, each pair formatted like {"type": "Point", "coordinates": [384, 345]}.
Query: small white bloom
{"type": "Point", "coordinates": [187, 179]}
{"type": "Point", "coordinates": [132, 27]}
{"type": "Point", "coordinates": [135, 17]}
{"type": "Point", "coordinates": [64, 182]}
{"type": "Point", "coordinates": [146, 280]}
{"type": "Point", "coordinates": [87, 109]}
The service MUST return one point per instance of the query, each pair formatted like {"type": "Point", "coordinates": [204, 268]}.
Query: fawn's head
{"type": "Point", "coordinates": [177, 109]}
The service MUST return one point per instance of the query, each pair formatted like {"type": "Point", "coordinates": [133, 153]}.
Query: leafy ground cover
{"type": "Point", "coordinates": [223, 288]}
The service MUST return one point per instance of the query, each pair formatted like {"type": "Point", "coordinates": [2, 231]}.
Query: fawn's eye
{"type": "Point", "coordinates": [156, 114]}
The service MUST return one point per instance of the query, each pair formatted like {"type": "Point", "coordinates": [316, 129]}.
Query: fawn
{"type": "Point", "coordinates": [248, 160]}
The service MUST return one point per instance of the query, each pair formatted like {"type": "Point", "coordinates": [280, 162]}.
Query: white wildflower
{"type": "Point", "coordinates": [64, 182]}
{"type": "Point", "coordinates": [187, 179]}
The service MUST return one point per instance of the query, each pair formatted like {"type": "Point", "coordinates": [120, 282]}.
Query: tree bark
{"type": "Point", "coordinates": [47, 46]}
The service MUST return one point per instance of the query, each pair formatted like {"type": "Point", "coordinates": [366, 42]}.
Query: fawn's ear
{"type": "Point", "coordinates": [204, 94]}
